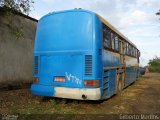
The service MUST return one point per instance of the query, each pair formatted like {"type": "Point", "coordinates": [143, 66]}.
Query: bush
{"type": "Point", "coordinates": [154, 65]}
{"type": "Point", "coordinates": [22, 6]}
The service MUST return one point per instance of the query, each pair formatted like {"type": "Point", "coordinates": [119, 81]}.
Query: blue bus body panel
{"type": "Point", "coordinates": [131, 75]}
{"type": "Point", "coordinates": [42, 90]}
{"type": "Point", "coordinates": [109, 59]}
{"type": "Point", "coordinates": [68, 31]}
{"type": "Point", "coordinates": [64, 66]}
{"type": "Point", "coordinates": [112, 82]}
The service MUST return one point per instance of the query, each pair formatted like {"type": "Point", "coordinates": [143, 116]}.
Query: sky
{"type": "Point", "coordinates": [135, 19]}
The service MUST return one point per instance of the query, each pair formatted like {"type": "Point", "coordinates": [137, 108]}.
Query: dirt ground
{"type": "Point", "coordinates": [142, 97]}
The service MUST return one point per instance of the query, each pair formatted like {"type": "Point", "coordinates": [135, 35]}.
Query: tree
{"type": "Point", "coordinates": [154, 64]}
{"type": "Point", "coordinates": [10, 8]}
{"type": "Point", "coordinates": [22, 6]}
{"type": "Point", "coordinates": [158, 13]}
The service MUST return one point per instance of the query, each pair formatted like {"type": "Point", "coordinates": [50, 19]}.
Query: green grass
{"type": "Point", "coordinates": [54, 102]}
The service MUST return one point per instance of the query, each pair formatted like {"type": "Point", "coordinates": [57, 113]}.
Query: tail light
{"type": "Point", "coordinates": [91, 83]}
{"type": "Point", "coordinates": [35, 80]}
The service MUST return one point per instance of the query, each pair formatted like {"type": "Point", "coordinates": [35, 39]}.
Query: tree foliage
{"type": "Point", "coordinates": [158, 13]}
{"type": "Point", "coordinates": [22, 6]}
{"type": "Point", "coordinates": [154, 64]}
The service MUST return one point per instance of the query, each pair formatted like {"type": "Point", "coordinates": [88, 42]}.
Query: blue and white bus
{"type": "Point", "coordinates": [79, 55]}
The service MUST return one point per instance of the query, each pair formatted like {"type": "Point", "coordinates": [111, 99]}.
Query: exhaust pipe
{"type": "Point", "coordinates": [84, 97]}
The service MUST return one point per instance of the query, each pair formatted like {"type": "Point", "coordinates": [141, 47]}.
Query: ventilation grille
{"type": "Point", "coordinates": [88, 65]}
{"type": "Point", "coordinates": [36, 65]}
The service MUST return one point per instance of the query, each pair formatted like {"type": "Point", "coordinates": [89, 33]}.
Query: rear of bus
{"type": "Point", "coordinates": [67, 56]}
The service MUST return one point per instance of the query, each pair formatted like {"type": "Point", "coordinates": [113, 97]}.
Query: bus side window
{"type": "Point", "coordinates": [113, 41]}
{"type": "Point", "coordinates": [106, 37]}
{"type": "Point", "coordinates": [131, 51]}
{"type": "Point", "coordinates": [116, 43]}
{"type": "Point", "coordinates": [127, 49]}
{"type": "Point", "coordinates": [136, 53]}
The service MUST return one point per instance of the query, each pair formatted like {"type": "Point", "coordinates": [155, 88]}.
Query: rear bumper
{"type": "Point", "coordinates": [76, 93]}
{"type": "Point", "coordinates": [42, 90]}
{"type": "Point", "coordinates": [63, 92]}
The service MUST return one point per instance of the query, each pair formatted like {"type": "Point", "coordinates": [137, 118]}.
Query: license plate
{"type": "Point", "coordinates": [59, 79]}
